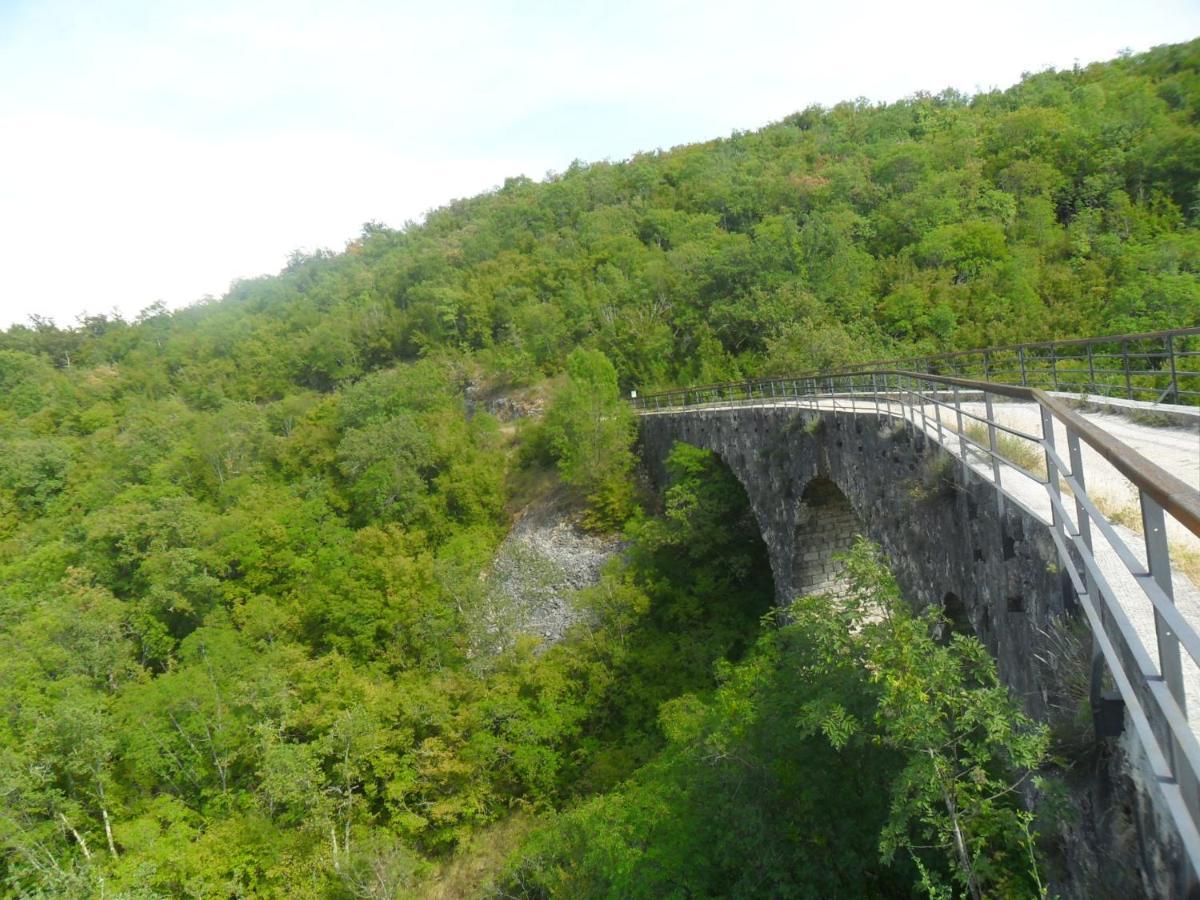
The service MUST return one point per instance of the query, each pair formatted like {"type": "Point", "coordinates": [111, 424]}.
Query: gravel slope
{"type": "Point", "coordinates": [539, 569]}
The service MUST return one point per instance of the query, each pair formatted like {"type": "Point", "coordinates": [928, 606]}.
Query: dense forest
{"type": "Point", "coordinates": [244, 545]}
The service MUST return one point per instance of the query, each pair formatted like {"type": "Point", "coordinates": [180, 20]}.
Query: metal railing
{"type": "Point", "coordinates": [1156, 366]}
{"type": "Point", "coordinates": [1116, 585]}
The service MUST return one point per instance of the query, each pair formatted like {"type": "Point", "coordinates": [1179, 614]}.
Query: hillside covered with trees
{"type": "Point", "coordinates": [243, 544]}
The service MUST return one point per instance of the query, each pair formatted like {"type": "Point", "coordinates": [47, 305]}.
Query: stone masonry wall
{"type": "Point", "coordinates": [826, 526]}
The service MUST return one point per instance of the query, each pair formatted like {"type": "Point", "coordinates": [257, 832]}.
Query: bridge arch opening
{"type": "Point", "coordinates": [826, 527]}
{"type": "Point", "coordinates": [714, 538]}
{"type": "Point", "coordinates": [958, 620]}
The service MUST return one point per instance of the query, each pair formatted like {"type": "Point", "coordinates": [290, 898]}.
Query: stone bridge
{"type": "Point", "coordinates": [815, 479]}
{"type": "Point", "coordinates": [816, 476]}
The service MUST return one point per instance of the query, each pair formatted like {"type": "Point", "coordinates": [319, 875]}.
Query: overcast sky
{"type": "Point", "coordinates": [159, 150]}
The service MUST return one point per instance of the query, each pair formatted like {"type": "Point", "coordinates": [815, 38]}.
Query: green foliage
{"type": "Point", "coordinates": [34, 471]}
{"type": "Point", "coordinates": [232, 651]}
{"type": "Point", "coordinates": [707, 539]}
{"type": "Point", "coordinates": [590, 430]}
{"type": "Point", "coordinates": [1062, 206]}
{"type": "Point", "coordinates": [237, 540]}
{"type": "Point", "coordinates": [846, 734]}
{"type": "Point", "coordinates": [965, 744]}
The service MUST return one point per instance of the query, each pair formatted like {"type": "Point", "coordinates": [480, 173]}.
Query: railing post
{"type": "Point", "coordinates": [1054, 366]}
{"type": "Point", "coordinates": [962, 437]}
{"type": "Point", "coordinates": [1128, 383]}
{"type": "Point", "coordinates": [1082, 523]}
{"type": "Point", "coordinates": [911, 401]}
{"type": "Point", "coordinates": [937, 412]}
{"type": "Point", "coordinates": [995, 455]}
{"type": "Point", "coordinates": [1021, 358]}
{"type": "Point", "coordinates": [912, 404]}
{"type": "Point", "coordinates": [1108, 719]}
{"type": "Point", "coordinates": [1052, 485]}
{"type": "Point", "coordinates": [924, 417]}
{"type": "Point", "coordinates": [1091, 370]}
{"type": "Point", "coordinates": [1158, 559]}
{"type": "Point", "coordinates": [1174, 374]}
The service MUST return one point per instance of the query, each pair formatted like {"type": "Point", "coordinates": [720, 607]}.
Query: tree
{"type": "Point", "coordinates": [591, 432]}
{"type": "Point", "coordinates": [966, 746]}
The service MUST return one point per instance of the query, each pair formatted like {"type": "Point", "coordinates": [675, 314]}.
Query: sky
{"type": "Point", "coordinates": [160, 150]}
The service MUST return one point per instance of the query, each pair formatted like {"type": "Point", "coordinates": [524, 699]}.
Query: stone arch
{"type": "Point", "coordinates": [956, 612]}
{"type": "Point", "coordinates": [768, 509]}
{"type": "Point", "coordinates": [736, 462]}
{"type": "Point", "coordinates": [826, 526]}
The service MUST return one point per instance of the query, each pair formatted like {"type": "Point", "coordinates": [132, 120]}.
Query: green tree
{"type": "Point", "coordinates": [591, 431]}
